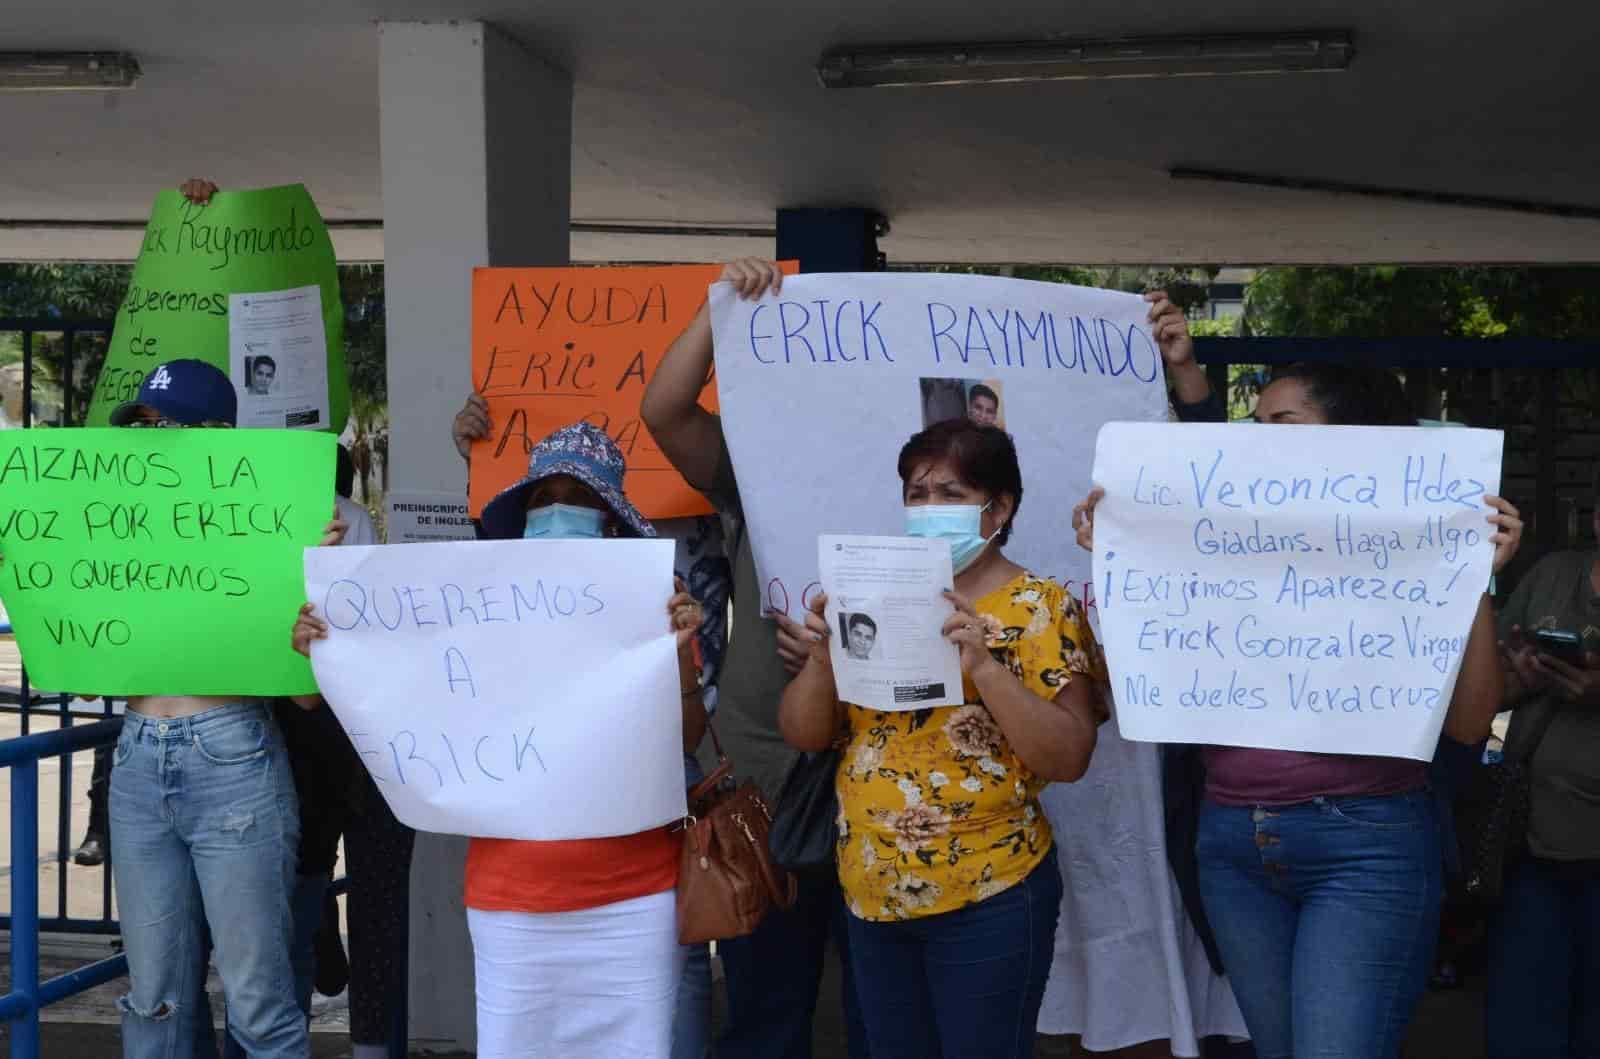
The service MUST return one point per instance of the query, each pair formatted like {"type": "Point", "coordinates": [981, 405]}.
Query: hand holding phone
{"type": "Point", "coordinates": [1562, 644]}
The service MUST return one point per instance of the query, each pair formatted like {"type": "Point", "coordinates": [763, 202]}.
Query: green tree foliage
{"type": "Point", "coordinates": [77, 293]}
{"type": "Point", "coordinates": [1371, 301]}
{"type": "Point", "coordinates": [69, 293]}
{"type": "Point", "coordinates": [361, 287]}
{"type": "Point", "coordinates": [1406, 302]}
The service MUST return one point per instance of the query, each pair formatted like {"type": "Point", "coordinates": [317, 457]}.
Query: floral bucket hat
{"type": "Point", "coordinates": [581, 451]}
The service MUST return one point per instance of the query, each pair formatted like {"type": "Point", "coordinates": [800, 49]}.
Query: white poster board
{"type": "Point", "coordinates": [821, 386]}
{"type": "Point", "coordinates": [1290, 587]}
{"type": "Point", "coordinates": [509, 689]}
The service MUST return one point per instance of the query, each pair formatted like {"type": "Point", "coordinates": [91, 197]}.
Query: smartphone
{"type": "Point", "coordinates": [1560, 643]}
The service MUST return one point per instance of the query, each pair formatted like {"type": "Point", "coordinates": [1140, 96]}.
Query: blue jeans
{"type": "Point", "coordinates": [306, 910]}
{"type": "Point", "coordinates": [691, 1023]}
{"type": "Point", "coordinates": [1544, 965]}
{"type": "Point", "coordinates": [204, 821]}
{"type": "Point", "coordinates": [773, 975]}
{"type": "Point", "coordinates": [960, 985]}
{"type": "Point", "coordinates": [1326, 914]}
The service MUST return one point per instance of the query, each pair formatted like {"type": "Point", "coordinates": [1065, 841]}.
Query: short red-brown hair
{"type": "Point", "coordinates": [984, 458]}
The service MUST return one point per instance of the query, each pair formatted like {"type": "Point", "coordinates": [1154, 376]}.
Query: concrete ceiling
{"type": "Point", "coordinates": [709, 113]}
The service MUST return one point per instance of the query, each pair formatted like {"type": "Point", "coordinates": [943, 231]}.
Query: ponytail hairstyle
{"type": "Point", "coordinates": [1351, 396]}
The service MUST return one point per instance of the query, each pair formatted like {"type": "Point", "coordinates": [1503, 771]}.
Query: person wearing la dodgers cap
{"type": "Point", "coordinates": [180, 874]}
{"type": "Point", "coordinates": [189, 393]}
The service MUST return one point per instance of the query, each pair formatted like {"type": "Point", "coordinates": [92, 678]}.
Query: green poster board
{"type": "Point", "coordinates": [194, 260]}
{"type": "Point", "coordinates": [145, 562]}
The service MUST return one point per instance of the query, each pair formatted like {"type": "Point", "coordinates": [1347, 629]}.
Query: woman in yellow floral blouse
{"type": "Point", "coordinates": [945, 855]}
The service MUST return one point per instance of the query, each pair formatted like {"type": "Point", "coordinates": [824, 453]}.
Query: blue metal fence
{"type": "Point", "coordinates": [28, 995]}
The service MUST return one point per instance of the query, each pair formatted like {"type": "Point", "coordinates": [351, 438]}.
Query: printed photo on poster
{"type": "Point", "coordinates": [859, 634]}
{"type": "Point", "coordinates": [278, 355]}
{"type": "Point", "coordinates": [980, 400]}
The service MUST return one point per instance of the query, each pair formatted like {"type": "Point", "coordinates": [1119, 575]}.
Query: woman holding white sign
{"type": "Point", "coordinates": [945, 856]}
{"type": "Point", "coordinates": [575, 942]}
{"type": "Point", "coordinates": [1321, 873]}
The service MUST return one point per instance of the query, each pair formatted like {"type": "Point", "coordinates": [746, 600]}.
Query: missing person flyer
{"type": "Point", "coordinates": [278, 354]}
{"type": "Point", "coordinates": [887, 608]}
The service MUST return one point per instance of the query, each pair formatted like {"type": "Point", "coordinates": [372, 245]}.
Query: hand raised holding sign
{"type": "Point", "coordinates": [1083, 518]}
{"type": "Point", "coordinates": [969, 631]}
{"type": "Point", "coordinates": [198, 190]}
{"type": "Point", "coordinates": [1508, 535]}
{"type": "Point", "coordinates": [333, 533]}
{"type": "Point", "coordinates": [307, 627]}
{"type": "Point", "coordinates": [753, 276]}
{"type": "Point", "coordinates": [471, 424]}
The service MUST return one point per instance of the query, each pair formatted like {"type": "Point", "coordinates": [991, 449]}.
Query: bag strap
{"type": "Point", "coordinates": [781, 885]}
{"type": "Point", "coordinates": [723, 769]}
{"type": "Point", "coordinates": [722, 756]}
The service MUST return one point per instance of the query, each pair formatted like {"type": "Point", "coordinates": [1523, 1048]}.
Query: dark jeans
{"type": "Point", "coordinates": [961, 985]}
{"type": "Point", "coordinates": [773, 975]}
{"type": "Point", "coordinates": [100, 796]}
{"type": "Point", "coordinates": [1327, 914]}
{"type": "Point", "coordinates": [1544, 965]}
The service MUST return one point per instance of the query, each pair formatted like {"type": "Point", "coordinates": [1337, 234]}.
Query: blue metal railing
{"type": "Point", "coordinates": [28, 995]}
{"type": "Point", "coordinates": [21, 1006]}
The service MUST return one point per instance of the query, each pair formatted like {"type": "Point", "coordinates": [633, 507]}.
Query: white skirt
{"type": "Point", "coordinates": [1128, 967]}
{"type": "Point", "coordinates": [598, 983]}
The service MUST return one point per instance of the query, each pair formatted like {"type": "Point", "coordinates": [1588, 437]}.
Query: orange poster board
{"type": "Point", "coordinates": [551, 346]}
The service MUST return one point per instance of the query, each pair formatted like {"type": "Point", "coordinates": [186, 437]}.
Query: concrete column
{"type": "Point", "coordinates": [476, 139]}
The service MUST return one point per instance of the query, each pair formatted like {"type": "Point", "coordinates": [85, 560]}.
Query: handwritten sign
{"type": "Point", "coordinates": [1298, 588]}
{"type": "Point", "coordinates": [160, 562]}
{"type": "Point", "coordinates": [551, 346]}
{"type": "Point", "coordinates": [820, 389]}
{"type": "Point", "coordinates": [508, 689]}
{"type": "Point", "coordinates": [194, 261]}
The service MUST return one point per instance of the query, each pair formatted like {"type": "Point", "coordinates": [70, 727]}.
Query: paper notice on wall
{"type": "Point", "coordinates": [887, 609]}
{"type": "Point", "coordinates": [414, 518]}
{"type": "Point", "coordinates": [1296, 588]}
{"type": "Point", "coordinates": [509, 689]}
{"type": "Point", "coordinates": [278, 358]}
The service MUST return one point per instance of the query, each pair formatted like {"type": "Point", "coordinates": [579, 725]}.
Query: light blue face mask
{"type": "Point", "coordinates": [564, 522]}
{"type": "Point", "coordinates": [960, 524]}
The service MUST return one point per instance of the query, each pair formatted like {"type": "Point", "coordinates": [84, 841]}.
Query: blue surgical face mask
{"type": "Point", "coordinates": [564, 522]}
{"type": "Point", "coordinates": [960, 524]}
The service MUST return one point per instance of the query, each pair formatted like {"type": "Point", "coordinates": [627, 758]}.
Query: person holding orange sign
{"type": "Point", "coordinates": [773, 974]}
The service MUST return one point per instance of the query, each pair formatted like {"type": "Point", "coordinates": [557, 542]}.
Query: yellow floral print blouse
{"type": "Point", "coordinates": [935, 810]}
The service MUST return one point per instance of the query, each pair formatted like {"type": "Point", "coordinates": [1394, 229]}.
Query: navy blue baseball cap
{"type": "Point", "coordinates": [190, 392]}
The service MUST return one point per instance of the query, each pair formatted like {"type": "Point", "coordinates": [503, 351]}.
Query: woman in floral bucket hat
{"type": "Point", "coordinates": [575, 942]}
{"type": "Point", "coordinates": [945, 856]}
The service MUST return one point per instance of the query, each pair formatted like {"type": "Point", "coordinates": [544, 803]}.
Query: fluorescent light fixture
{"type": "Point", "coordinates": [1071, 60]}
{"type": "Point", "coordinates": [84, 71]}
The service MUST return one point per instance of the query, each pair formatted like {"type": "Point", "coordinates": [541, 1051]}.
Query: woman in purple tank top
{"type": "Point", "coordinates": [1320, 874]}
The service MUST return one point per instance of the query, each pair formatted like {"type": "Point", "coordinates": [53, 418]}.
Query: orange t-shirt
{"type": "Point", "coordinates": [509, 875]}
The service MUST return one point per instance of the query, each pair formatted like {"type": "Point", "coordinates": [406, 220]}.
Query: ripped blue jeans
{"type": "Point", "coordinates": [205, 825]}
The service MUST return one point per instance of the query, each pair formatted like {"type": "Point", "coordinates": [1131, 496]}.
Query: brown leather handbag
{"type": "Point", "coordinates": [726, 880]}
